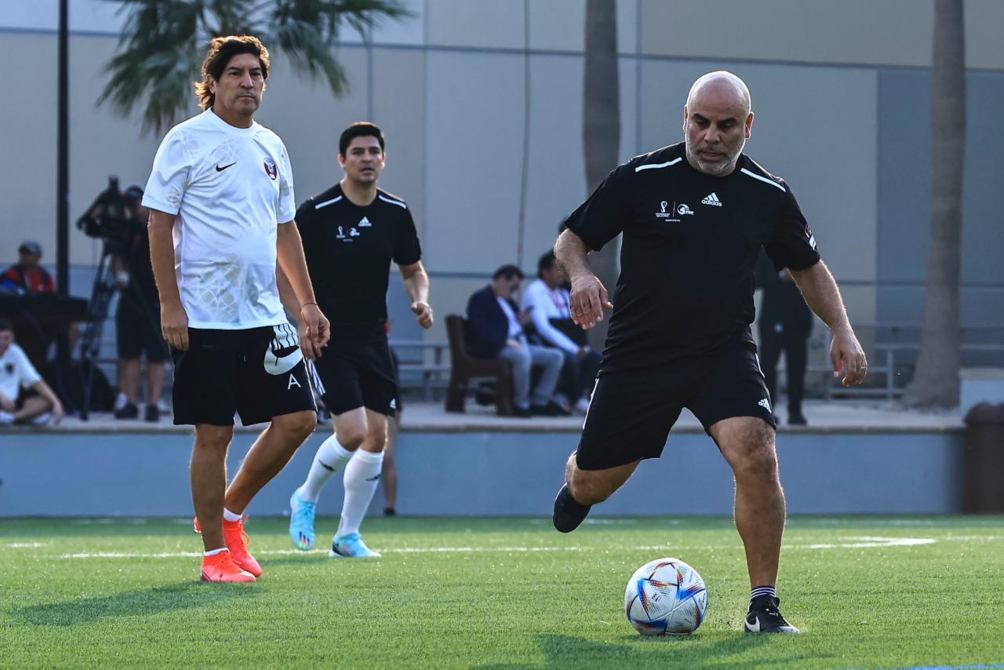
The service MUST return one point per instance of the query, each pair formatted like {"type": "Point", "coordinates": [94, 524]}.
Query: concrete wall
{"type": "Point", "coordinates": [839, 90]}
{"type": "Point", "coordinates": [480, 473]}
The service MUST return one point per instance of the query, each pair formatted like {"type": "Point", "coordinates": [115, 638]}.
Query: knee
{"type": "Point", "coordinates": [301, 424]}
{"type": "Point", "coordinates": [213, 437]}
{"type": "Point", "coordinates": [351, 437]}
{"type": "Point", "coordinates": [757, 458]}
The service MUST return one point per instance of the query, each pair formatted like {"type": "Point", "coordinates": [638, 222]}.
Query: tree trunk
{"type": "Point", "coordinates": [601, 127]}
{"type": "Point", "coordinates": [936, 379]}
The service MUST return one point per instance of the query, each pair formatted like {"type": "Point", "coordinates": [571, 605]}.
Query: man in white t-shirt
{"type": "Point", "coordinates": [546, 299]}
{"type": "Point", "coordinates": [221, 216]}
{"type": "Point", "coordinates": [24, 396]}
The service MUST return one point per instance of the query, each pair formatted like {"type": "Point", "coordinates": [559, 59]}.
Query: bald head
{"type": "Point", "coordinates": [722, 87]}
{"type": "Point", "coordinates": [717, 121]}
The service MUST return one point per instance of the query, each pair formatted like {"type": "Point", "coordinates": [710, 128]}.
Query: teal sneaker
{"type": "Point", "coordinates": [301, 522]}
{"type": "Point", "coordinates": [351, 546]}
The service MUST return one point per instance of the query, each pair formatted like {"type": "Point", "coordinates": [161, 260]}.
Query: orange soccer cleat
{"type": "Point", "coordinates": [236, 539]}
{"type": "Point", "coordinates": [221, 568]}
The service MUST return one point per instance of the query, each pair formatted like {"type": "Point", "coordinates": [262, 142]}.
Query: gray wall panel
{"type": "Point", "coordinates": [493, 474]}
{"type": "Point", "coordinates": [474, 147]}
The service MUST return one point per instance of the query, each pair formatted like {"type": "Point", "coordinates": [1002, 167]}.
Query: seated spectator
{"type": "Point", "coordinates": [495, 329]}
{"type": "Point", "coordinates": [546, 299]}
{"type": "Point", "coordinates": [27, 276]}
{"type": "Point", "coordinates": [24, 396]}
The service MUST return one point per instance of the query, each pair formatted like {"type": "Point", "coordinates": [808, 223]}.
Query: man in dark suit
{"type": "Point", "coordinates": [495, 330]}
{"type": "Point", "coordinates": [785, 324]}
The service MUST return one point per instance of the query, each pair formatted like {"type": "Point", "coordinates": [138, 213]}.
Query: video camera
{"type": "Point", "coordinates": [111, 218]}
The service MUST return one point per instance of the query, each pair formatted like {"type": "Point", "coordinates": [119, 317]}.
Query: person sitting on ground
{"type": "Point", "coordinates": [495, 330]}
{"type": "Point", "coordinates": [27, 276]}
{"type": "Point", "coordinates": [24, 396]}
{"type": "Point", "coordinates": [547, 301]}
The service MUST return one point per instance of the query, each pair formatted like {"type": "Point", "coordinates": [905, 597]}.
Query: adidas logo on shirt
{"type": "Point", "coordinates": [712, 200]}
{"type": "Point", "coordinates": [364, 223]}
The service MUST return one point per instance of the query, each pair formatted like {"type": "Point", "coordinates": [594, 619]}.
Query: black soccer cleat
{"type": "Point", "coordinates": [568, 513]}
{"type": "Point", "coordinates": [764, 617]}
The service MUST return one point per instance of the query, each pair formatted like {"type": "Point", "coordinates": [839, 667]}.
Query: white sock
{"type": "Point", "coordinates": [213, 552]}
{"type": "Point", "coordinates": [362, 475]}
{"type": "Point", "coordinates": [329, 459]}
{"type": "Point", "coordinates": [230, 516]}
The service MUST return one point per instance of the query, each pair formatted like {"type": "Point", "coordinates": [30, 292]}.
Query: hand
{"type": "Point", "coordinates": [587, 300]}
{"type": "Point", "coordinates": [314, 331]}
{"type": "Point", "coordinates": [847, 357]}
{"type": "Point", "coordinates": [423, 313]}
{"type": "Point", "coordinates": [57, 413]}
{"type": "Point", "coordinates": [174, 325]}
{"type": "Point", "coordinates": [514, 344]}
{"type": "Point", "coordinates": [524, 316]}
{"type": "Point", "coordinates": [7, 404]}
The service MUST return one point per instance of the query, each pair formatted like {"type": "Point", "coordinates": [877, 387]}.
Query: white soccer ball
{"type": "Point", "coordinates": [665, 597]}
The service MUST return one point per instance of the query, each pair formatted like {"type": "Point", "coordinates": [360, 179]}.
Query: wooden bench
{"type": "Point", "coordinates": [465, 367]}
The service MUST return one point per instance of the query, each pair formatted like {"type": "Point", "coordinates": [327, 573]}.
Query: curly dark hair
{"type": "Point", "coordinates": [221, 50]}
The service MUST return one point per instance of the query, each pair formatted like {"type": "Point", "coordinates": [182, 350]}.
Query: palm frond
{"type": "Point", "coordinates": [159, 51]}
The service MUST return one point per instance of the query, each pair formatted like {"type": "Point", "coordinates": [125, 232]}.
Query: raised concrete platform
{"type": "Point", "coordinates": [860, 458]}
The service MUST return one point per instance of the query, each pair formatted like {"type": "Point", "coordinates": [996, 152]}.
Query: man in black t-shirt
{"type": "Point", "coordinates": [351, 233]}
{"type": "Point", "coordinates": [694, 217]}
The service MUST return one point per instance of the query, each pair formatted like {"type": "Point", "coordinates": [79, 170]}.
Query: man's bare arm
{"type": "Point", "coordinates": [823, 297]}
{"type": "Point", "coordinates": [416, 282]}
{"type": "Point", "coordinates": [173, 320]}
{"type": "Point", "coordinates": [588, 296]}
{"type": "Point", "coordinates": [314, 327]}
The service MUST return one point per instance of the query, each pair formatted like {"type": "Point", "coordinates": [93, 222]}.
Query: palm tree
{"type": "Point", "coordinates": [160, 50]}
{"type": "Point", "coordinates": [601, 127]}
{"type": "Point", "coordinates": [936, 380]}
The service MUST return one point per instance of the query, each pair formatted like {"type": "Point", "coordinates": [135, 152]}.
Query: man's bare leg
{"type": "Point", "coordinates": [209, 480]}
{"type": "Point", "coordinates": [584, 488]}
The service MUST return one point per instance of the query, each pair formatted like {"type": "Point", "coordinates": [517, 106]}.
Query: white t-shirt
{"type": "Point", "coordinates": [16, 371]}
{"type": "Point", "coordinates": [549, 304]}
{"type": "Point", "coordinates": [515, 327]}
{"type": "Point", "coordinates": [230, 188]}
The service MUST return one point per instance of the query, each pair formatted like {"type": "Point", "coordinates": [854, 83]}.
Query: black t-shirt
{"type": "Point", "coordinates": [349, 250]}
{"type": "Point", "coordinates": [690, 246]}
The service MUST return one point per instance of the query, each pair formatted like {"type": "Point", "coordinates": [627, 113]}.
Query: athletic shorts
{"type": "Point", "coordinates": [138, 330]}
{"type": "Point", "coordinates": [631, 411]}
{"type": "Point", "coordinates": [357, 372]}
{"type": "Point", "coordinates": [259, 373]}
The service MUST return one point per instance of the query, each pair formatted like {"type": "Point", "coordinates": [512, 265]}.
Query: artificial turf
{"type": "Point", "coordinates": [867, 592]}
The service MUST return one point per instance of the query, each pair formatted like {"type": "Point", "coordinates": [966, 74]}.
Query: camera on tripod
{"type": "Point", "coordinates": [110, 218]}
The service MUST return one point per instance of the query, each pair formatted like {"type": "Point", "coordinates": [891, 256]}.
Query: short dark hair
{"type": "Point", "coordinates": [221, 50]}
{"type": "Point", "coordinates": [5, 324]}
{"type": "Point", "coordinates": [508, 271]}
{"type": "Point", "coordinates": [359, 129]}
{"type": "Point", "coordinates": [546, 262]}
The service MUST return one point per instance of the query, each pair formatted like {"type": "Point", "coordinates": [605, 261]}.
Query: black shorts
{"type": "Point", "coordinates": [259, 373]}
{"type": "Point", "coordinates": [138, 330]}
{"type": "Point", "coordinates": [358, 372]}
{"type": "Point", "coordinates": [631, 411]}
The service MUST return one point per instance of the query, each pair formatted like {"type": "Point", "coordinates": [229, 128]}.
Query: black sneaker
{"type": "Point", "coordinates": [764, 617]}
{"type": "Point", "coordinates": [152, 414]}
{"type": "Point", "coordinates": [568, 513]}
{"type": "Point", "coordinates": [389, 511]}
{"type": "Point", "coordinates": [797, 419]}
{"type": "Point", "coordinates": [127, 411]}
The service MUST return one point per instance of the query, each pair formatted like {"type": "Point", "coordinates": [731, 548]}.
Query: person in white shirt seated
{"type": "Point", "coordinates": [546, 300]}
{"type": "Point", "coordinates": [495, 330]}
{"type": "Point", "coordinates": [24, 396]}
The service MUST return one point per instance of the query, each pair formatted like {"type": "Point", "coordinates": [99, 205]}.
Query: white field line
{"type": "Point", "coordinates": [860, 543]}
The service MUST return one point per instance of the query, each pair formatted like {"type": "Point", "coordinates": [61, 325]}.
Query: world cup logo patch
{"type": "Point", "coordinates": [271, 169]}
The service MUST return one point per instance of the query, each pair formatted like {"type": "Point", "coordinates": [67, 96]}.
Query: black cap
{"type": "Point", "coordinates": [29, 247]}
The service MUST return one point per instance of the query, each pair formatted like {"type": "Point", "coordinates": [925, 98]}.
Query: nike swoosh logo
{"type": "Point", "coordinates": [755, 627]}
{"type": "Point", "coordinates": [221, 169]}
{"type": "Point", "coordinates": [279, 365]}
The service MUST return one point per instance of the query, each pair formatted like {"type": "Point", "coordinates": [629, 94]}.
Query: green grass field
{"type": "Point", "coordinates": [497, 593]}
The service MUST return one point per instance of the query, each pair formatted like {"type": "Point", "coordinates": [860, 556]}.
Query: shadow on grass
{"type": "Point", "coordinates": [723, 649]}
{"type": "Point", "coordinates": [134, 603]}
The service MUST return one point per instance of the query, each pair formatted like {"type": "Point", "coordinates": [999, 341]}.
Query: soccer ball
{"type": "Point", "coordinates": [665, 597]}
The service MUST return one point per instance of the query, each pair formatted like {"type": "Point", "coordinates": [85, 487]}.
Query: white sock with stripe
{"type": "Point", "coordinates": [329, 459]}
{"type": "Point", "coordinates": [362, 475]}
